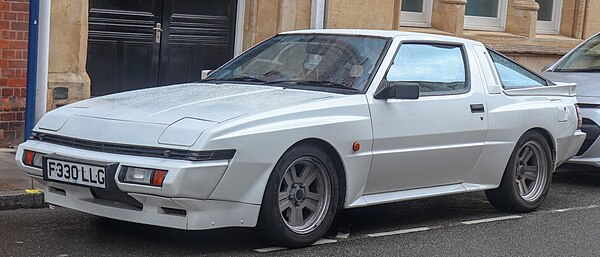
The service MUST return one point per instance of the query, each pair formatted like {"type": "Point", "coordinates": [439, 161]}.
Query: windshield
{"type": "Point", "coordinates": [586, 58]}
{"type": "Point", "coordinates": [331, 62]}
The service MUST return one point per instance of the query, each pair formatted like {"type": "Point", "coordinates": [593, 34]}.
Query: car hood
{"type": "Point", "coordinates": [208, 102]}
{"type": "Point", "coordinates": [172, 115]}
{"type": "Point", "coordinates": [588, 84]}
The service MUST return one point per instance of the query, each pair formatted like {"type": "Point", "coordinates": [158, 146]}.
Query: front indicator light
{"type": "Point", "coordinates": [33, 159]}
{"type": "Point", "coordinates": [159, 177]}
{"type": "Point", "coordinates": [143, 176]}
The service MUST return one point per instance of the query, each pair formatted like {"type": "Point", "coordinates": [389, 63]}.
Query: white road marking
{"type": "Point", "coordinates": [342, 235]}
{"type": "Point", "coordinates": [399, 232]}
{"type": "Point", "coordinates": [472, 222]}
{"type": "Point", "coordinates": [269, 249]}
{"type": "Point", "coordinates": [574, 209]}
{"type": "Point", "coordinates": [321, 241]}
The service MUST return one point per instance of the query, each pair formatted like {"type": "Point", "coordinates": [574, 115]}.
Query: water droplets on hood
{"type": "Point", "coordinates": [205, 101]}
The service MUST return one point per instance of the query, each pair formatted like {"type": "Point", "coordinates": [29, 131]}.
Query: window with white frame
{"type": "Point", "coordinates": [548, 21]}
{"type": "Point", "coordinates": [486, 14]}
{"type": "Point", "coordinates": [416, 13]}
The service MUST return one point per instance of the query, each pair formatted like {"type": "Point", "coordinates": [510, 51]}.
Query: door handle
{"type": "Point", "coordinates": [477, 108]}
{"type": "Point", "coordinates": [157, 32]}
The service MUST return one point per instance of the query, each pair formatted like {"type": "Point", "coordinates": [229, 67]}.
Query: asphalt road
{"type": "Point", "coordinates": [566, 225]}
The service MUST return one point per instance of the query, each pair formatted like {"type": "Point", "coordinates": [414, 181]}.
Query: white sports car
{"type": "Point", "coordinates": [304, 124]}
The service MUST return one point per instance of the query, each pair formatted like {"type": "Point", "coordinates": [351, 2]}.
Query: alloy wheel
{"type": "Point", "coordinates": [531, 171]}
{"type": "Point", "coordinates": [304, 195]}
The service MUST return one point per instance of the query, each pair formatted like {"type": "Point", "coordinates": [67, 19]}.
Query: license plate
{"type": "Point", "coordinates": [75, 173]}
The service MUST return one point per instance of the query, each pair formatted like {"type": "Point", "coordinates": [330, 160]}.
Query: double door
{"type": "Point", "coordinates": [135, 44]}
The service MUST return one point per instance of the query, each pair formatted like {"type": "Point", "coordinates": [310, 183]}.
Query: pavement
{"type": "Point", "coordinates": [17, 190]}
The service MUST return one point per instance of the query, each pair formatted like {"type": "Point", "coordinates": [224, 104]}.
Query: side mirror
{"type": "Point", "coordinates": [546, 67]}
{"type": "Point", "coordinates": [205, 74]}
{"type": "Point", "coordinates": [398, 90]}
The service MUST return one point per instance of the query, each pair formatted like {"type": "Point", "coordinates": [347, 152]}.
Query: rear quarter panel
{"type": "Point", "coordinates": [512, 116]}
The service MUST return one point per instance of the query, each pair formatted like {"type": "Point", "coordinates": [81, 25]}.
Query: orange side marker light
{"type": "Point", "coordinates": [356, 146]}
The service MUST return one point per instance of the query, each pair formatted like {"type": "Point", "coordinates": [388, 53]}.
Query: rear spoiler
{"type": "Point", "coordinates": [560, 89]}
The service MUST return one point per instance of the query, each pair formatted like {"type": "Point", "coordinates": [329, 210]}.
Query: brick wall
{"type": "Point", "coordinates": [14, 15]}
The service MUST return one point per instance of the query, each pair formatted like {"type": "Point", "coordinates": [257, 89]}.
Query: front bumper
{"type": "Point", "coordinates": [589, 153]}
{"type": "Point", "coordinates": [183, 202]}
{"type": "Point", "coordinates": [570, 146]}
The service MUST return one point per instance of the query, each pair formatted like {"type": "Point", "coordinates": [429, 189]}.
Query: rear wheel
{"type": "Point", "coordinates": [527, 176]}
{"type": "Point", "coordinates": [301, 197]}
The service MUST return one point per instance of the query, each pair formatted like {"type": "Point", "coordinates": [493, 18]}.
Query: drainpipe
{"type": "Point", "coordinates": [317, 14]}
{"type": "Point", "coordinates": [34, 13]}
{"type": "Point", "coordinates": [239, 27]}
{"type": "Point", "coordinates": [42, 62]}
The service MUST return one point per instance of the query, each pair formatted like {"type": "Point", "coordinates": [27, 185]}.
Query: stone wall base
{"type": "Point", "coordinates": [66, 88]}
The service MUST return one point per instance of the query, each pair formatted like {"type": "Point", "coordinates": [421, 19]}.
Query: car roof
{"type": "Point", "coordinates": [384, 33]}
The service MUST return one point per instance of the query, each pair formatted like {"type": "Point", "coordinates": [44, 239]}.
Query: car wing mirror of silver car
{"type": "Point", "coordinates": [398, 90]}
{"type": "Point", "coordinates": [205, 74]}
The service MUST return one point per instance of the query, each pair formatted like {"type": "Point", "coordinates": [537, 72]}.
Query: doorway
{"type": "Point", "coordinates": [135, 44]}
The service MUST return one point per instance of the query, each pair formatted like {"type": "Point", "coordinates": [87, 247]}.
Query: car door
{"type": "Point", "coordinates": [436, 139]}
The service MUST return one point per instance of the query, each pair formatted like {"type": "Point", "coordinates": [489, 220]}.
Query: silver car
{"type": "Point", "coordinates": [306, 124]}
{"type": "Point", "coordinates": [582, 65]}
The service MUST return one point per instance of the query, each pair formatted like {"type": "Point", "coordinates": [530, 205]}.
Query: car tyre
{"type": "Point", "coordinates": [527, 176]}
{"type": "Point", "coordinates": [301, 197]}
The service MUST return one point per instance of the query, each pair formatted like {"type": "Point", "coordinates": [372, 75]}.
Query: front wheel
{"type": "Point", "coordinates": [527, 176]}
{"type": "Point", "coordinates": [301, 197]}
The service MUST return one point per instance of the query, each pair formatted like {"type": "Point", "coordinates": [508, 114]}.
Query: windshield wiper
{"type": "Point", "coordinates": [240, 78]}
{"type": "Point", "coordinates": [206, 80]}
{"type": "Point", "coordinates": [313, 83]}
{"type": "Point", "coordinates": [245, 78]}
{"type": "Point", "coordinates": [579, 70]}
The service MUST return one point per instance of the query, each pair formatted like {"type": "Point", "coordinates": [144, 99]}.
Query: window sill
{"type": "Point", "coordinates": [428, 30]}
{"type": "Point", "coordinates": [542, 44]}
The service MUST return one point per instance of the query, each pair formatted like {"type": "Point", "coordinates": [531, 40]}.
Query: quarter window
{"type": "Point", "coordinates": [486, 14]}
{"type": "Point", "coordinates": [513, 76]}
{"type": "Point", "coordinates": [549, 16]}
{"type": "Point", "coordinates": [416, 13]}
{"type": "Point", "coordinates": [438, 69]}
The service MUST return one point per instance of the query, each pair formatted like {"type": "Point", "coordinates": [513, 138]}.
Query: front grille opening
{"type": "Point", "coordinates": [172, 211]}
{"type": "Point", "coordinates": [57, 191]}
{"type": "Point", "coordinates": [120, 197]}
{"type": "Point", "coordinates": [145, 151]}
{"type": "Point", "coordinates": [592, 131]}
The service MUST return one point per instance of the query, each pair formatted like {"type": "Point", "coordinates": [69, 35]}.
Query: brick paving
{"type": "Point", "coordinates": [16, 188]}
{"type": "Point", "coordinates": [6, 186]}
{"type": "Point", "coordinates": [11, 178]}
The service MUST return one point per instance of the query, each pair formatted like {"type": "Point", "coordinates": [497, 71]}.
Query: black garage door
{"type": "Point", "coordinates": [145, 43]}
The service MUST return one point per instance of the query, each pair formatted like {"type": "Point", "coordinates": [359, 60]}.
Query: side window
{"type": "Point", "coordinates": [513, 76]}
{"type": "Point", "coordinates": [438, 69]}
